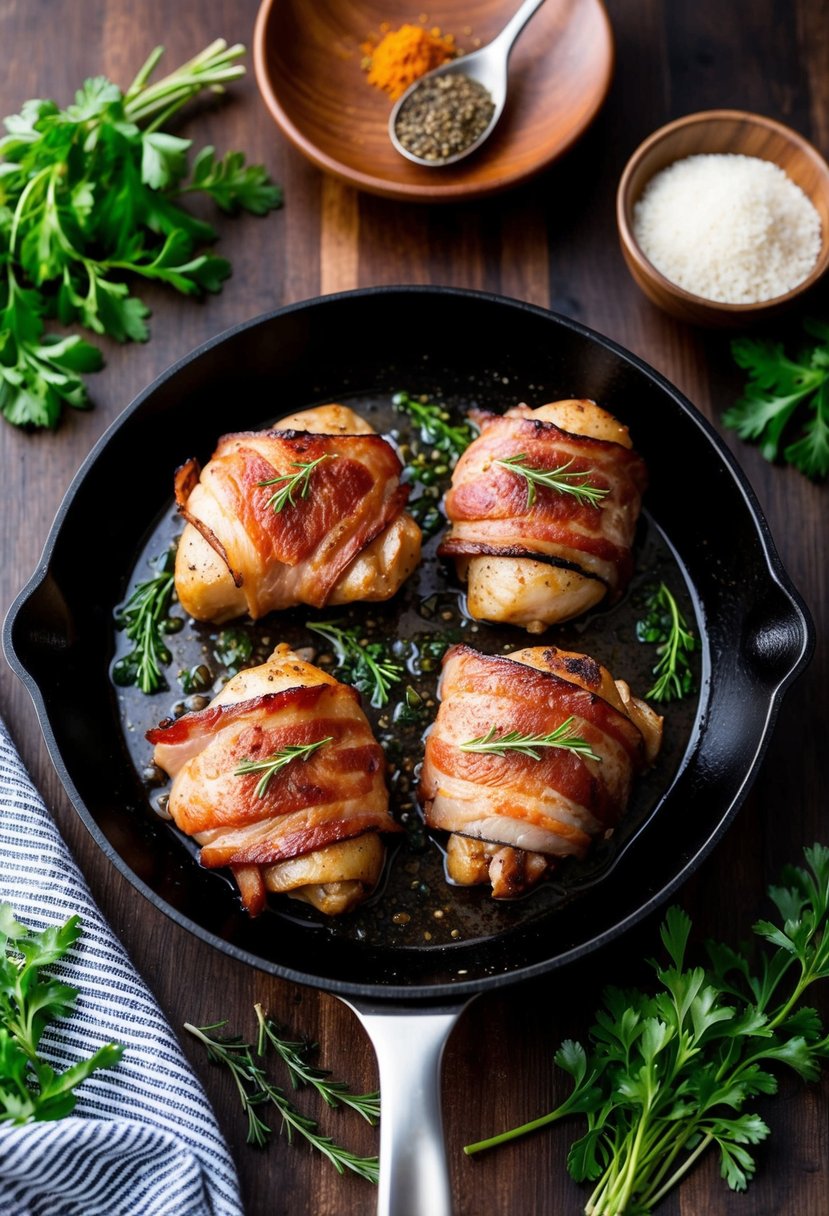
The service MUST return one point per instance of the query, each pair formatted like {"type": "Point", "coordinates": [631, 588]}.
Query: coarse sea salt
{"type": "Point", "coordinates": [726, 227]}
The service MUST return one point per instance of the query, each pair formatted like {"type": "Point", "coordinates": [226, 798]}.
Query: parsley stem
{"type": "Point", "coordinates": [650, 1200]}
{"type": "Point", "coordinates": [210, 69]}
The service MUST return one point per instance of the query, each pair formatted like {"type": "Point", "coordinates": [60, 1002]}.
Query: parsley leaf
{"type": "Point", "coordinates": [782, 393]}
{"type": "Point", "coordinates": [88, 197]}
{"type": "Point", "coordinates": [30, 1089]}
{"type": "Point", "coordinates": [667, 1073]}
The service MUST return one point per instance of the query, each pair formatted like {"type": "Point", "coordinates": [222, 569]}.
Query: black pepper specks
{"type": "Point", "coordinates": [444, 116]}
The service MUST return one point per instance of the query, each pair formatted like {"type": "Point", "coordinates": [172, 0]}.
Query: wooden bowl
{"type": "Point", "coordinates": [719, 131]}
{"type": "Point", "coordinates": [307, 59]}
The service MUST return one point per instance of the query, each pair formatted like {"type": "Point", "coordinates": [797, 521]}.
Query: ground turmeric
{"type": "Point", "coordinates": [402, 56]}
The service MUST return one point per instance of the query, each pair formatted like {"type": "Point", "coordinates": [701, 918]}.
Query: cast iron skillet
{"type": "Point", "coordinates": [755, 631]}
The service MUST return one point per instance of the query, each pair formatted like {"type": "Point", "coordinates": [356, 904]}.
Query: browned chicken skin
{"type": "Point", "coordinates": [512, 815]}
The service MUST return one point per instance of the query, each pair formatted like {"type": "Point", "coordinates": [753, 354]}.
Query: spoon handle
{"type": "Point", "coordinates": [515, 25]}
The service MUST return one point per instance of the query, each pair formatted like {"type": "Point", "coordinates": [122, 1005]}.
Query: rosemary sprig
{"type": "Point", "coordinates": [558, 479]}
{"type": "Point", "coordinates": [527, 745]}
{"type": "Point", "coordinates": [364, 666]}
{"type": "Point", "coordinates": [294, 1056]}
{"type": "Point", "coordinates": [143, 617]}
{"type": "Point", "coordinates": [665, 624]}
{"type": "Point", "coordinates": [255, 1089]}
{"type": "Point", "coordinates": [237, 1056]}
{"type": "Point", "coordinates": [277, 761]}
{"type": "Point", "coordinates": [295, 483]}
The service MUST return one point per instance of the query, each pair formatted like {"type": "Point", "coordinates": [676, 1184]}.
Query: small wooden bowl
{"type": "Point", "coordinates": [719, 131]}
{"type": "Point", "coordinates": [307, 59]}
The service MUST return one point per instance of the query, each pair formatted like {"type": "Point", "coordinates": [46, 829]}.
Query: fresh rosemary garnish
{"type": "Point", "coordinates": [143, 617]}
{"type": "Point", "coordinates": [557, 479]}
{"type": "Point", "coordinates": [295, 1057]}
{"type": "Point", "coordinates": [364, 666]}
{"type": "Point", "coordinates": [255, 1090]}
{"type": "Point", "coordinates": [665, 624]}
{"type": "Point", "coordinates": [436, 428]}
{"type": "Point", "coordinates": [429, 466]}
{"type": "Point", "coordinates": [527, 745]}
{"type": "Point", "coordinates": [295, 483]}
{"type": "Point", "coordinates": [277, 761]}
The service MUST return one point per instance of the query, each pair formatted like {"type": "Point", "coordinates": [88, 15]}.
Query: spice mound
{"type": "Point", "coordinates": [402, 56]}
{"type": "Point", "coordinates": [444, 116]}
{"type": "Point", "coordinates": [730, 228]}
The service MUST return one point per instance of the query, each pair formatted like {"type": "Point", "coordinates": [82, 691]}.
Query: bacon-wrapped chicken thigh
{"type": "Point", "coordinates": [531, 758]}
{"type": "Point", "coordinates": [543, 510]}
{"type": "Point", "coordinates": [281, 779]}
{"type": "Point", "coordinates": [311, 512]}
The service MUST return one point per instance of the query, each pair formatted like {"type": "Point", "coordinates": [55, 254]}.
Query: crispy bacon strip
{"type": "Point", "coordinates": [550, 807]}
{"type": "Point", "coordinates": [298, 554]}
{"type": "Point", "coordinates": [531, 554]}
{"type": "Point", "coordinates": [329, 799]}
{"type": "Point", "coordinates": [488, 509]}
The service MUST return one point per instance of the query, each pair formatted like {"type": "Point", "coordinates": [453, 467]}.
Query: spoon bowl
{"type": "Point", "coordinates": [489, 67]}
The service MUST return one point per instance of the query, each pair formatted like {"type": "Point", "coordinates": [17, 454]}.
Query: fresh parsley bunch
{"type": "Point", "coordinates": [90, 195]}
{"type": "Point", "coordinates": [786, 394]}
{"type": "Point", "coordinates": [667, 1075]}
{"type": "Point", "coordinates": [30, 1089]}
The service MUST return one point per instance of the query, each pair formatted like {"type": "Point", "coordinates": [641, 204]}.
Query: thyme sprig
{"type": "Point", "coordinates": [255, 1090]}
{"type": "Point", "coordinates": [666, 1076]}
{"type": "Point", "coordinates": [295, 1057]}
{"type": "Point", "coordinates": [363, 665]}
{"type": "Point", "coordinates": [528, 745]}
{"type": "Point", "coordinates": [295, 483]}
{"type": "Point", "coordinates": [576, 483]}
{"type": "Point", "coordinates": [277, 761]}
{"type": "Point", "coordinates": [665, 624]}
{"type": "Point", "coordinates": [143, 617]}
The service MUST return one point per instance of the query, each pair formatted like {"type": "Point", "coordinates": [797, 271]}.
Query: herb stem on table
{"type": "Point", "coordinates": [255, 1090]}
{"type": "Point", "coordinates": [89, 194]}
{"type": "Point", "coordinates": [666, 1075]}
{"type": "Point", "coordinates": [294, 1055]}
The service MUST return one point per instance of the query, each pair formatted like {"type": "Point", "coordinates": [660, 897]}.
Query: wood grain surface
{"type": "Point", "coordinates": [308, 57]}
{"type": "Point", "coordinates": [552, 242]}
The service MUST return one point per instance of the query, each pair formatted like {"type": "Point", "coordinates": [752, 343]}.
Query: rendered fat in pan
{"type": "Point", "coordinates": [755, 632]}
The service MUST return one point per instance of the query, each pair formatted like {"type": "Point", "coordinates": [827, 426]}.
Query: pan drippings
{"type": "Point", "coordinates": [415, 906]}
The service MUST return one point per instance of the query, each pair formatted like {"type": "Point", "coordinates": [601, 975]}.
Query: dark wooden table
{"type": "Point", "coordinates": [552, 243]}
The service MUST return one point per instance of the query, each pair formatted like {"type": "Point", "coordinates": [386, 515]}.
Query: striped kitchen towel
{"type": "Point", "coordinates": [143, 1140]}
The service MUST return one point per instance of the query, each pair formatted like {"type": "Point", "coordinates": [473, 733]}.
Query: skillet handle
{"type": "Point", "coordinates": [414, 1177]}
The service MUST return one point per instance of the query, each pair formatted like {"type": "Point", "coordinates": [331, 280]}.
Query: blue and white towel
{"type": "Point", "coordinates": [143, 1140]}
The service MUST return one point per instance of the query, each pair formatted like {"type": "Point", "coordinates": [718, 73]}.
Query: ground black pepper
{"type": "Point", "coordinates": [444, 116]}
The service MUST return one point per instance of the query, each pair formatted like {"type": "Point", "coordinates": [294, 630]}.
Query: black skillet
{"type": "Point", "coordinates": [754, 629]}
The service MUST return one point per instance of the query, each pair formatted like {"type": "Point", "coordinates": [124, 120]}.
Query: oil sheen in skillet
{"type": "Point", "coordinates": [414, 905]}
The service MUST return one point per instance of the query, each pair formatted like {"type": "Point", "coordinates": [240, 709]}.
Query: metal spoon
{"type": "Point", "coordinates": [489, 67]}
